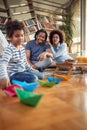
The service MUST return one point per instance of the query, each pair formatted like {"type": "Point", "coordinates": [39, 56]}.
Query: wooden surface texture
{"type": "Point", "coordinates": [62, 107]}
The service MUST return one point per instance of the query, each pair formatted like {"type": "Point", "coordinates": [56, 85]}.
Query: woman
{"type": "Point", "coordinates": [58, 47]}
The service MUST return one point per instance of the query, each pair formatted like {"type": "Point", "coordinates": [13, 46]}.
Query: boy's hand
{"type": "Point", "coordinates": [5, 82]}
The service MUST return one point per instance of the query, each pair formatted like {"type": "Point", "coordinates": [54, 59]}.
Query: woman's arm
{"type": "Point", "coordinates": [60, 51]}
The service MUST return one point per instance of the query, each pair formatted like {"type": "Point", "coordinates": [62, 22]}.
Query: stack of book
{"type": "Point", "coordinates": [3, 20]}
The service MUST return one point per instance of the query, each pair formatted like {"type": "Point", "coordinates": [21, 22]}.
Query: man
{"type": "Point", "coordinates": [38, 52]}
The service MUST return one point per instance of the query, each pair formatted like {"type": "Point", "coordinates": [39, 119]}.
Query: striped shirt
{"type": "Point", "coordinates": [13, 60]}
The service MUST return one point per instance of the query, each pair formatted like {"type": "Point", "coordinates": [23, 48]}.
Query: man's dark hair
{"type": "Point", "coordinates": [43, 31]}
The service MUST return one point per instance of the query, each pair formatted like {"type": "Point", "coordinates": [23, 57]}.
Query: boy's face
{"type": "Point", "coordinates": [40, 38]}
{"type": "Point", "coordinates": [17, 37]}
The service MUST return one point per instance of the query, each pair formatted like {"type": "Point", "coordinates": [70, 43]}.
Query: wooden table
{"type": "Point", "coordinates": [70, 66]}
{"type": "Point", "coordinates": [63, 107]}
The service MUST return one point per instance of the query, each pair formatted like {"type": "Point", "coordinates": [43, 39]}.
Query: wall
{"type": "Point", "coordinates": [76, 10]}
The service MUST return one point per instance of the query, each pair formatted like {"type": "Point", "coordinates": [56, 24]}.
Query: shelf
{"type": "Point", "coordinates": [3, 10]}
{"type": "Point", "coordinates": [46, 22]}
{"type": "Point", "coordinates": [3, 21]}
{"type": "Point", "coordinates": [25, 12]}
{"type": "Point", "coordinates": [16, 6]}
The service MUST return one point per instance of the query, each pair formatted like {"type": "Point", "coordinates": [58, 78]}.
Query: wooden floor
{"type": "Point", "coordinates": [63, 107]}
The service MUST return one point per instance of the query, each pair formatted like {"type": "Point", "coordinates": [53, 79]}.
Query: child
{"type": "Point", "coordinates": [13, 64]}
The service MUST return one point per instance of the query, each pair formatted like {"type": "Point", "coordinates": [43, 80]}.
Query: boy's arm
{"type": "Point", "coordinates": [4, 79]}
{"type": "Point", "coordinates": [4, 83]}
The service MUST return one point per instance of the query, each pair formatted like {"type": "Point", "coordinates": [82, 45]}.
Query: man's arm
{"type": "Point", "coordinates": [45, 54]}
{"type": "Point", "coordinates": [28, 59]}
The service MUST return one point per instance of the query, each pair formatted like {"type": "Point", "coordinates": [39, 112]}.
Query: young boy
{"type": "Point", "coordinates": [13, 64]}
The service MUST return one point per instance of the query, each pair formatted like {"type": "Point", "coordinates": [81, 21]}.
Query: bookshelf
{"type": "Point", "coordinates": [4, 15]}
{"type": "Point", "coordinates": [46, 22]}
{"type": "Point", "coordinates": [30, 28]}
{"type": "Point", "coordinates": [26, 11]}
{"type": "Point", "coordinates": [31, 24]}
{"type": "Point", "coordinates": [3, 21]}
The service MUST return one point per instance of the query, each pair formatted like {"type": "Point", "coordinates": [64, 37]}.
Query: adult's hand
{"type": "Point", "coordinates": [34, 66]}
{"type": "Point", "coordinates": [42, 56]}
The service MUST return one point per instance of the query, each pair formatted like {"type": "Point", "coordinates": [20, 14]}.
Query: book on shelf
{"type": "Point", "coordinates": [52, 20]}
{"type": "Point", "coordinates": [3, 20]}
{"type": "Point", "coordinates": [25, 23]}
{"type": "Point", "coordinates": [35, 21]}
{"type": "Point", "coordinates": [42, 18]}
{"type": "Point", "coordinates": [26, 31]}
{"type": "Point", "coordinates": [2, 28]}
{"type": "Point", "coordinates": [32, 36]}
{"type": "Point", "coordinates": [54, 26]}
{"type": "Point", "coordinates": [47, 22]}
{"type": "Point", "coordinates": [26, 37]}
{"type": "Point", "coordinates": [32, 29]}
{"type": "Point", "coordinates": [47, 25]}
{"type": "Point", "coordinates": [30, 22]}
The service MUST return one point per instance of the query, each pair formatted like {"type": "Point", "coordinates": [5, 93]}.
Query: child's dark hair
{"type": "Point", "coordinates": [59, 33]}
{"type": "Point", "coordinates": [43, 31]}
{"type": "Point", "coordinates": [12, 26]}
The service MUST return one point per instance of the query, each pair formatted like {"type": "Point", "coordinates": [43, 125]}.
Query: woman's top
{"type": "Point", "coordinates": [60, 52]}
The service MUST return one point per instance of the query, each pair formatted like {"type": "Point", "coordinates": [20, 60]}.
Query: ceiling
{"type": "Point", "coordinates": [56, 2]}
{"type": "Point", "coordinates": [50, 6]}
{"type": "Point", "coordinates": [43, 7]}
{"type": "Point", "coordinates": [59, 2]}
